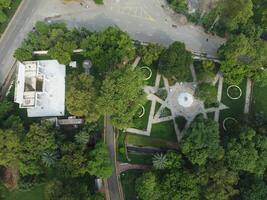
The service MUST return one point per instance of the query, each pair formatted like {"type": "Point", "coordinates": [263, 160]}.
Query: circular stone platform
{"type": "Point", "coordinates": [185, 99]}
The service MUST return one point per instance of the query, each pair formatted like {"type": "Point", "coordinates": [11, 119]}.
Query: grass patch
{"type": "Point", "coordinates": [152, 80]}
{"type": "Point", "coordinates": [36, 193]}
{"type": "Point", "coordinates": [164, 131]}
{"type": "Point", "coordinates": [141, 123]}
{"type": "Point", "coordinates": [142, 159]}
{"type": "Point", "coordinates": [9, 12]}
{"type": "Point", "coordinates": [236, 107]}
{"type": "Point", "coordinates": [128, 183]}
{"type": "Point", "coordinates": [259, 100]}
{"type": "Point", "coordinates": [139, 140]}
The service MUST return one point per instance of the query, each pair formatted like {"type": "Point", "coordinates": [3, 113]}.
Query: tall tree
{"type": "Point", "coordinates": [217, 182]}
{"type": "Point", "coordinates": [100, 164]}
{"type": "Point", "coordinates": [150, 53]}
{"type": "Point", "coordinates": [121, 94]}
{"type": "Point", "coordinates": [39, 139]}
{"type": "Point", "coordinates": [247, 152]}
{"type": "Point", "coordinates": [108, 48]}
{"type": "Point", "coordinates": [202, 142]}
{"type": "Point", "coordinates": [175, 62]}
{"type": "Point", "coordinates": [9, 148]}
{"type": "Point", "coordinates": [207, 93]}
{"type": "Point", "coordinates": [81, 96]}
{"type": "Point", "coordinates": [147, 187]}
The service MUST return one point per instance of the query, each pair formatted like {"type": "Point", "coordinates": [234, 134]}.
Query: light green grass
{"type": "Point", "coordinates": [36, 193]}
{"type": "Point", "coordinates": [142, 159]}
{"type": "Point", "coordinates": [128, 183]}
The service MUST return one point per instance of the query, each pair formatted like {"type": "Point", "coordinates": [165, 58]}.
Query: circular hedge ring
{"type": "Point", "coordinates": [143, 111]}
{"type": "Point", "coordinates": [228, 119]}
{"type": "Point", "coordinates": [234, 92]}
{"type": "Point", "coordinates": [150, 72]}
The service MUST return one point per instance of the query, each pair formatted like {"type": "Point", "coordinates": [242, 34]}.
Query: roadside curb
{"type": "Point", "coordinates": [12, 19]}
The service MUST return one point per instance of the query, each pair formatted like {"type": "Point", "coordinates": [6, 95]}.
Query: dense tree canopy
{"type": "Point", "coordinates": [175, 62]}
{"type": "Point", "coordinates": [150, 53]}
{"type": "Point", "coordinates": [207, 93]}
{"type": "Point", "coordinates": [39, 140]}
{"type": "Point", "coordinates": [99, 164]}
{"type": "Point", "coordinates": [3, 5]}
{"type": "Point", "coordinates": [108, 48]}
{"type": "Point", "coordinates": [9, 148]}
{"type": "Point", "coordinates": [81, 96]}
{"type": "Point", "coordinates": [147, 187]}
{"type": "Point", "coordinates": [253, 188]}
{"type": "Point", "coordinates": [121, 94]}
{"type": "Point", "coordinates": [202, 142]}
{"type": "Point", "coordinates": [247, 152]}
{"type": "Point", "coordinates": [242, 58]}
{"type": "Point", "coordinates": [217, 182]}
{"type": "Point", "coordinates": [234, 13]}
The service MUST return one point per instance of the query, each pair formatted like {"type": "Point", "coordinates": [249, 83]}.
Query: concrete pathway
{"type": "Point", "coordinates": [248, 96]}
{"type": "Point", "coordinates": [219, 98]}
{"type": "Point", "coordinates": [122, 167]}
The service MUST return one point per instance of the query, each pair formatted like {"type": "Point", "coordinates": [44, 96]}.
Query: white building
{"type": "Point", "coordinates": [40, 88]}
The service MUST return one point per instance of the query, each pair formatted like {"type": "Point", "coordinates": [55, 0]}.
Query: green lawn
{"type": "Point", "coordinates": [236, 107]}
{"type": "Point", "coordinates": [128, 183]}
{"type": "Point", "coordinates": [139, 140]}
{"type": "Point", "coordinates": [164, 131]}
{"type": "Point", "coordinates": [36, 193]}
{"type": "Point", "coordinates": [9, 13]}
{"type": "Point", "coordinates": [181, 122]}
{"type": "Point", "coordinates": [141, 123]}
{"type": "Point", "coordinates": [143, 159]}
{"type": "Point", "coordinates": [259, 101]}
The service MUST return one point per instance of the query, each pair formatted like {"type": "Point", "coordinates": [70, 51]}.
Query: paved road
{"type": "Point", "coordinates": [112, 181]}
{"type": "Point", "coordinates": [143, 20]}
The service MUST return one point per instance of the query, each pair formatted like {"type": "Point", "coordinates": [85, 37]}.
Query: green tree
{"type": "Point", "coordinates": [147, 187]}
{"type": "Point", "coordinates": [238, 57]}
{"type": "Point", "coordinates": [74, 161]}
{"type": "Point", "coordinates": [121, 94]}
{"type": "Point", "coordinates": [247, 152]}
{"type": "Point", "coordinates": [159, 161]}
{"type": "Point", "coordinates": [175, 61]}
{"type": "Point", "coordinates": [234, 13]}
{"type": "Point", "coordinates": [82, 137]}
{"type": "Point", "coordinates": [100, 164]}
{"type": "Point", "coordinates": [81, 96]}
{"type": "Point", "coordinates": [39, 139]}
{"type": "Point", "coordinates": [253, 188]}
{"type": "Point", "coordinates": [150, 53]}
{"type": "Point", "coordinates": [49, 158]}
{"type": "Point", "coordinates": [202, 142]}
{"type": "Point", "coordinates": [3, 16]}
{"type": "Point", "coordinates": [108, 48]}
{"type": "Point", "coordinates": [217, 182]}
{"type": "Point", "coordinates": [62, 51]}
{"type": "Point", "coordinates": [180, 6]}
{"type": "Point", "coordinates": [174, 160]}
{"type": "Point", "coordinates": [9, 148]}
{"type": "Point", "coordinates": [179, 184]}
{"type": "Point", "coordinates": [5, 3]}
{"type": "Point", "coordinates": [207, 93]}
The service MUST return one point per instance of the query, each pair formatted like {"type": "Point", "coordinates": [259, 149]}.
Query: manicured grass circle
{"type": "Point", "coordinates": [234, 92]}
{"type": "Point", "coordinates": [149, 74]}
{"type": "Point", "coordinates": [229, 119]}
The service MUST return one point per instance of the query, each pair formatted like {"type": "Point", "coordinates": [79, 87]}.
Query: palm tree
{"type": "Point", "coordinates": [82, 137]}
{"type": "Point", "coordinates": [49, 158]}
{"type": "Point", "coordinates": [159, 161]}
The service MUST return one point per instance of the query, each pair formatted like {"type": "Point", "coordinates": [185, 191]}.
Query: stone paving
{"type": "Point", "coordinates": [171, 102]}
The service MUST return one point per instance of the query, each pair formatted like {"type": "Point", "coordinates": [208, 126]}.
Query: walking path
{"type": "Point", "coordinates": [219, 97]}
{"type": "Point", "coordinates": [193, 72]}
{"type": "Point", "coordinates": [248, 96]}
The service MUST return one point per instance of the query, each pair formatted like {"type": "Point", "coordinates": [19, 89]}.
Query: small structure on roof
{"type": "Point", "coordinates": [40, 88]}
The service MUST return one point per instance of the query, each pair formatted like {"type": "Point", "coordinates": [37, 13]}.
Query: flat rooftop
{"type": "Point", "coordinates": [40, 88]}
